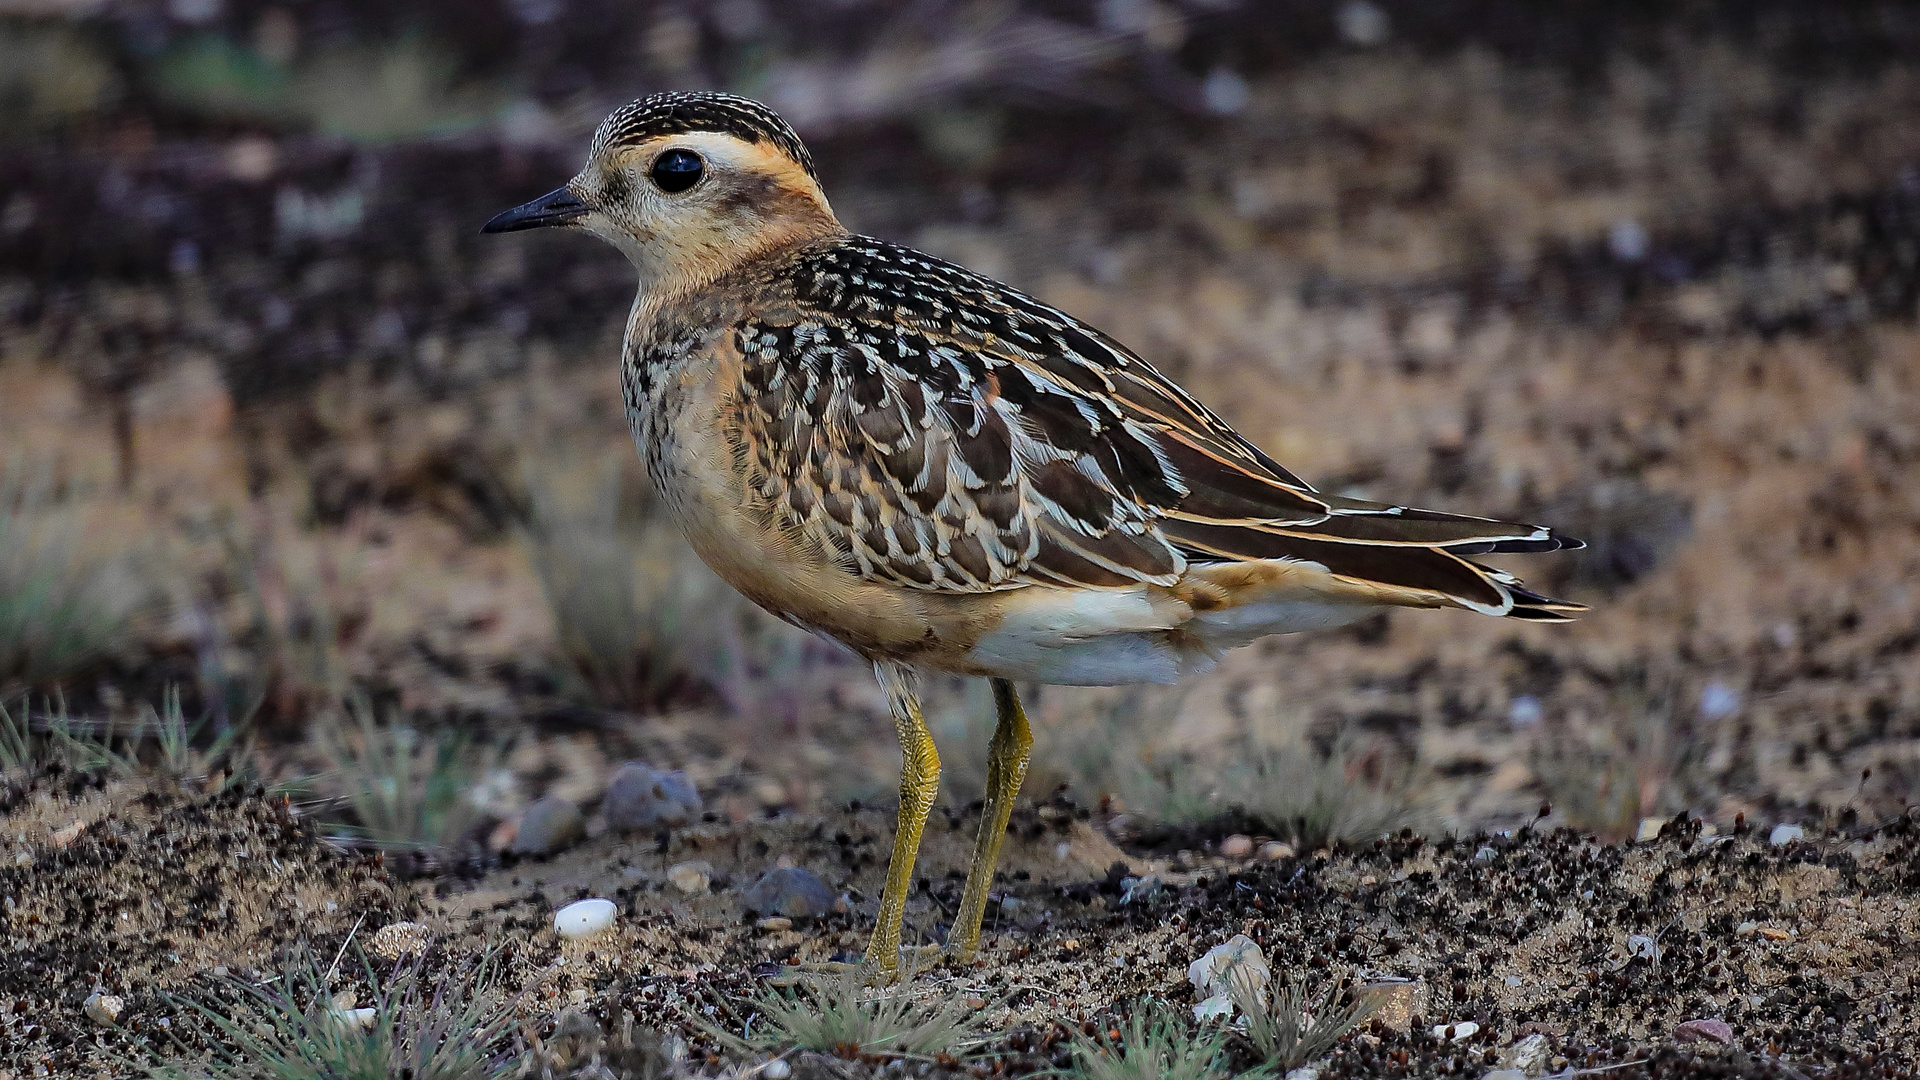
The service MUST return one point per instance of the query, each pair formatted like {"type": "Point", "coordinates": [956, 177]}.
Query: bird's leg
{"type": "Point", "coordinates": [1007, 759]}
{"type": "Point", "coordinates": [919, 781]}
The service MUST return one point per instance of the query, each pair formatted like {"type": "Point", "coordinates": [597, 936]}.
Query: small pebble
{"type": "Point", "coordinates": [777, 1069]}
{"type": "Point", "coordinates": [549, 825]}
{"type": "Point", "coordinates": [1649, 829]}
{"type": "Point", "coordinates": [104, 1009]}
{"type": "Point", "coordinates": [773, 924]}
{"type": "Point", "coordinates": [1304, 1072]}
{"type": "Point", "coordinates": [1529, 1055]}
{"type": "Point", "coordinates": [395, 940]}
{"type": "Point", "coordinates": [1274, 851]}
{"type": "Point", "coordinates": [1747, 928]}
{"type": "Point", "coordinates": [584, 918]}
{"type": "Point", "coordinates": [1785, 834]}
{"type": "Point", "coordinates": [1708, 1030]}
{"type": "Point", "coordinates": [1236, 846]}
{"type": "Point", "coordinates": [791, 891]}
{"type": "Point", "coordinates": [1642, 946]}
{"type": "Point", "coordinates": [1460, 1032]}
{"type": "Point", "coordinates": [1774, 933]}
{"type": "Point", "coordinates": [642, 798]}
{"type": "Point", "coordinates": [357, 1019]}
{"type": "Point", "coordinates": [691, 877]}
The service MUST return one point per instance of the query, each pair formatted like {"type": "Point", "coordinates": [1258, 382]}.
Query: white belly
{"type": "Point", "coordinates": [1100, 638]}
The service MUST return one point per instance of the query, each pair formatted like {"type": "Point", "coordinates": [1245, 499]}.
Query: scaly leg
{"type": "Point", "coordinates": [1007, 759]}
{"type": "Point", "coordinates": [919, 781]}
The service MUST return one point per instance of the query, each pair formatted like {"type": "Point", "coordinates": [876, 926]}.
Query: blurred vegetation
{"type": "Point", "coordinates": [67, 601]}
{"type": "Point", "coordinates": [407, 790]}
{"type": "Point", "coordinates": [1351, 792]}
{"type": "Point", "coordinates": [51, 75]}
{"type": "Point", "coordinates": [641, 622]}
{"type": "Point", "coordinates": [373, 93]}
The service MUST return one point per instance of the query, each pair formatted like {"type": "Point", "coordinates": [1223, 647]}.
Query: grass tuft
{"type": "Point", "coordinates": [1300, 1026]}
{"type": "Point", "coordinates": [16, 739]}
{"type": "Point", "coordinates": [406, 791]}
{"type": "Point", "coordinates": [845, 1017]}
{"type": "Point", "coordinates": [1155, 1043]}
{"type": "Point", "coordinates": [455, 1026]}
{"type": "Point", "coordinates": [1316, 801]}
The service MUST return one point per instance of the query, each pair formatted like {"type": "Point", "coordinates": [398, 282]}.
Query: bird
{"type": "Point", "coordinates": [946, 475]}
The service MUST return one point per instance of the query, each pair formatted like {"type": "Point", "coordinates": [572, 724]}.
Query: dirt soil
{"type": "Point", "coordinates": [1806, 949]}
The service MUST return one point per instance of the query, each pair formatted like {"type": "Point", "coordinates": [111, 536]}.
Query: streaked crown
{"type": "Point", "coordinates": [679, 113]}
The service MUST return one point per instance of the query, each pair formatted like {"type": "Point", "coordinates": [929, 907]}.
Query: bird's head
{"type": "Point", "coordinates": [688, 186]}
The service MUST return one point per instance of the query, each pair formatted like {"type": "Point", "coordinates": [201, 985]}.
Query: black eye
{"type": "Point", "coordinates": [677, 170]}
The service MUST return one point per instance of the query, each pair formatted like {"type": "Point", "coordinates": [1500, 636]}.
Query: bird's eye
{"type": "Point", "coordinates": [677, 170]}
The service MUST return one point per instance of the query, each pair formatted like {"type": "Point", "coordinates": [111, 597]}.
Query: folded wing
{"type": "Point", "coordinates": [940, 431]}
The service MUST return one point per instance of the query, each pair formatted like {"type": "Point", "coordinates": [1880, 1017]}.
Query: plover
{"type": "Point", "coordinates": [947, 475]}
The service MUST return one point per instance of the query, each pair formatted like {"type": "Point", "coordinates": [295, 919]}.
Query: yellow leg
{"type": "Point", "coordinates": [919, 781]}
{"type": "Point", "coordinates": [1007, 759]}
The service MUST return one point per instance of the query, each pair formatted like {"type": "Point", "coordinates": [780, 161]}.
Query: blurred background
{"type": "Point", "coordinates": [295, 465]}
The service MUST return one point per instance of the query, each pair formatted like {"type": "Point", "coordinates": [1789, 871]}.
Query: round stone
{"type": "Point", "coordinates": [691, 877]}
{"type": "Point", "coordinates": [549, 825]}
{"type": "Point", "coordinates": [584, 918]}
{"type": "Point", "coordinates": [104, 1009]}
{"type": "Point", "coordinates": [790, 891]}
{"type": "Point", "coordinates": [640, 797]}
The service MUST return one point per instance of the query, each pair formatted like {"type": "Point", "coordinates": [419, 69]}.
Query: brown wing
{"type": "Point", "coordinates": [942, 431]}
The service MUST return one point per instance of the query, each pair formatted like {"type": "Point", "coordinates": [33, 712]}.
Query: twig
{"type": "Point", "coordinates": [327, 979]}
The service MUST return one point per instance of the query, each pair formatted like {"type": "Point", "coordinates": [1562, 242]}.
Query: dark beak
{"type": "Point", "coordinates": [553, 208]}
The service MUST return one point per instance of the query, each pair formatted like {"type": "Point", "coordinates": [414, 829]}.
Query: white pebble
{"type": "Point", "coordinates": [777, 1069]}
{"type": "Point", "coordinates": [1460, 1032]}
{"type": "Point", "coordinates": [104, 1009]}
{"type": "Point", "coordinates": [691, 877]}
{"type": "Point", "coordinates": [356, 1019]}
{"type": "Point", "coordinates": [1785, 834]}
{"type": "Point", "coordinates": [584, 918]}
